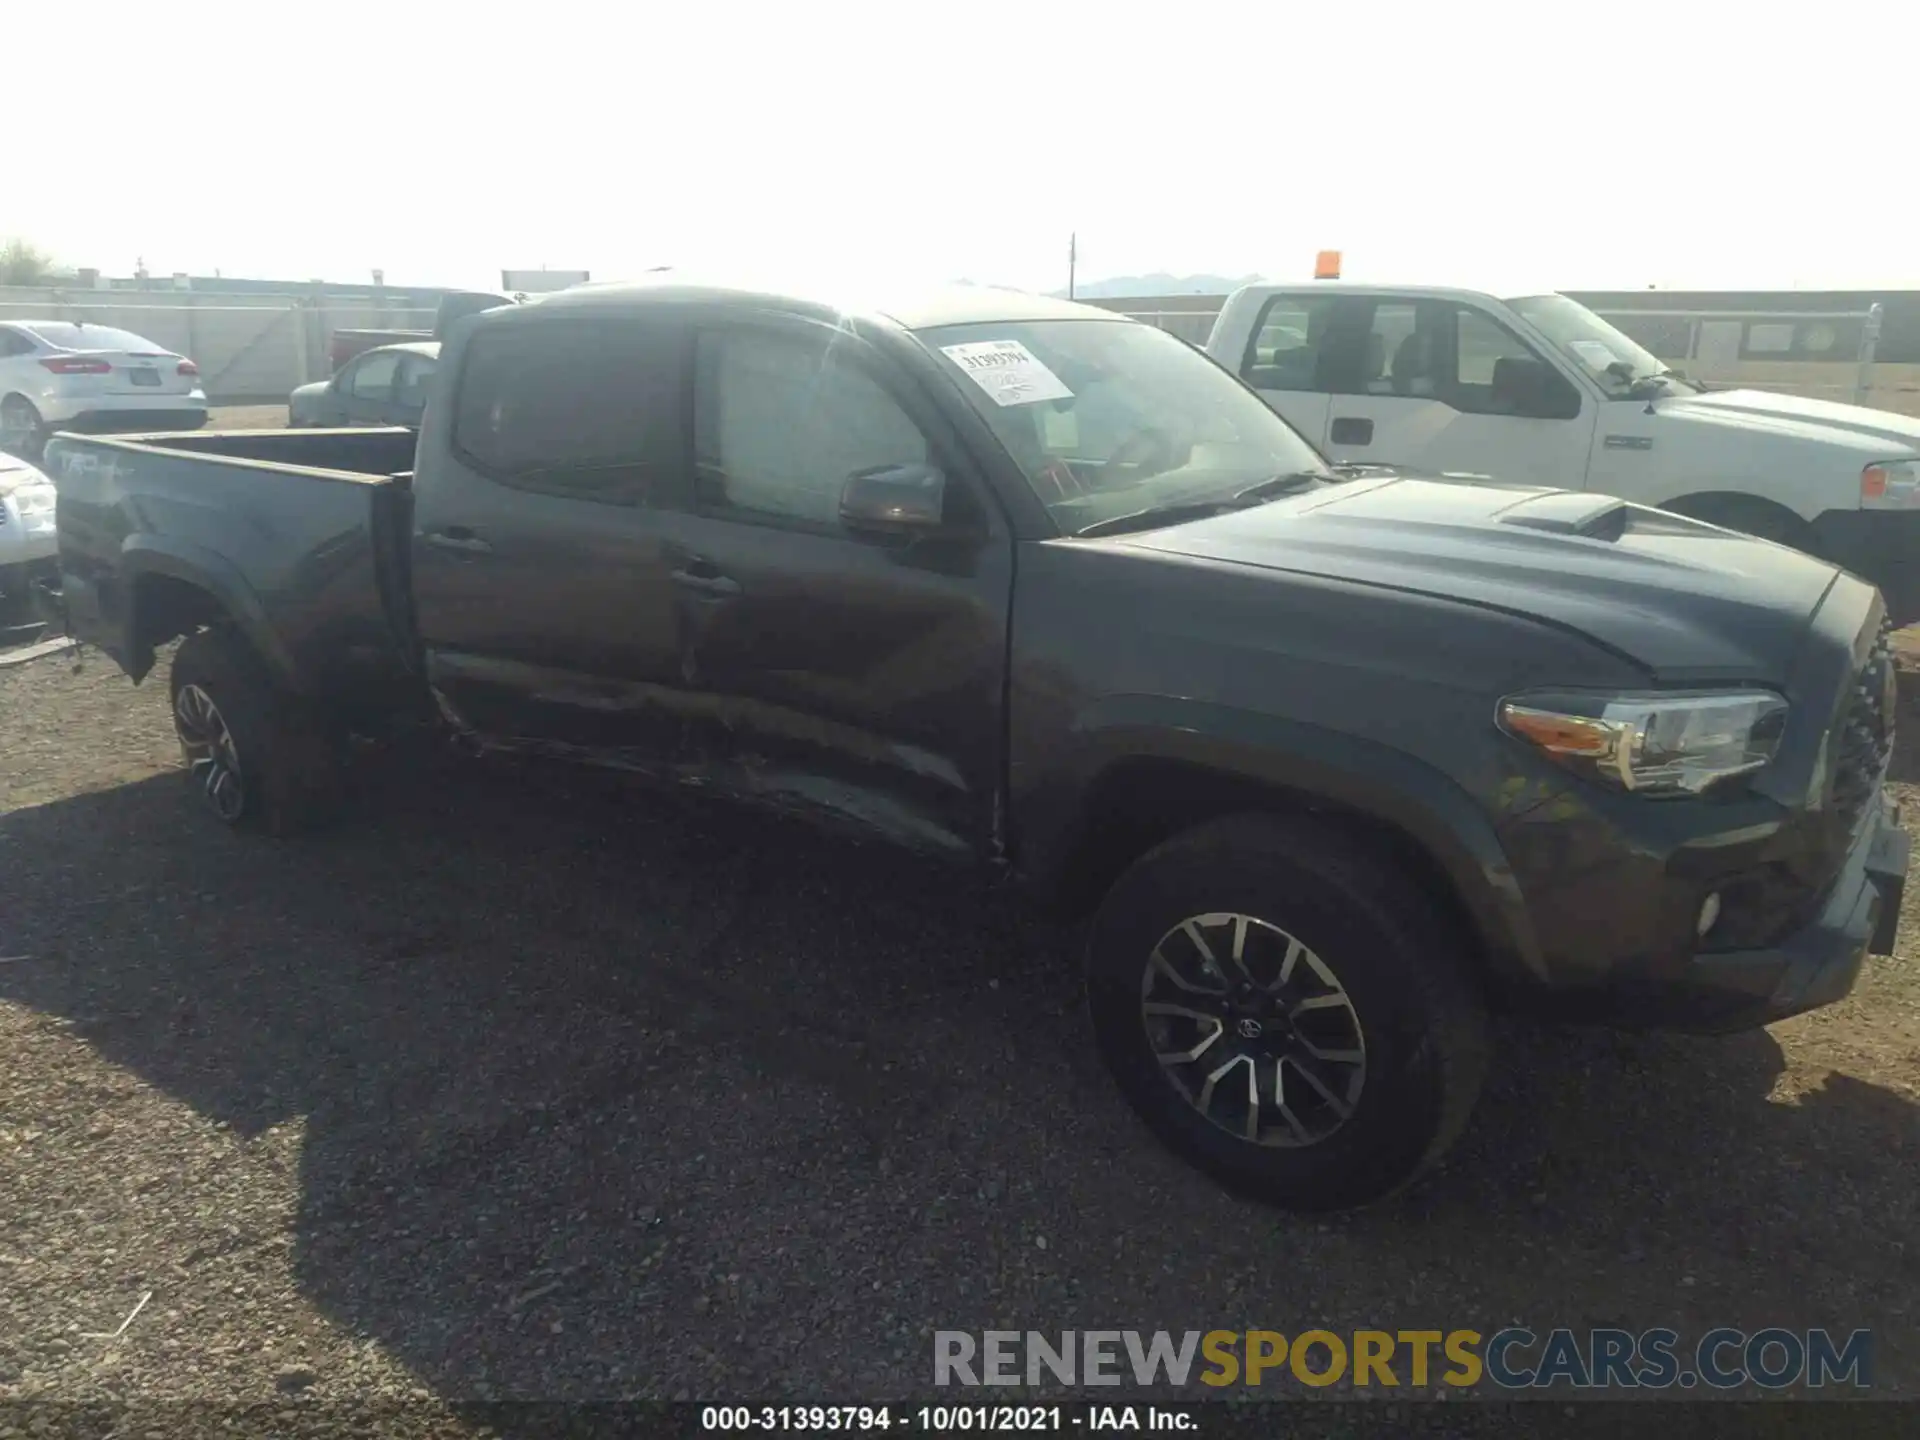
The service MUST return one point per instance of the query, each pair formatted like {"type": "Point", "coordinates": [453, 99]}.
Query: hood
{"type": "Point", "coordinates": [1887, 435]}
{"type": "Point", "coordinates": [16, 473]}
{"type": "Point", "coordinates": [1684, 600]}
{"type": "Point", "coordinates": [309, 399]}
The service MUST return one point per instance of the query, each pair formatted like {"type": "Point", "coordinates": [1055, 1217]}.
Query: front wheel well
{"type": "Point", "coordinates": [1749, 514]}
{"type": "Point", "coordinates": [1137, 804]}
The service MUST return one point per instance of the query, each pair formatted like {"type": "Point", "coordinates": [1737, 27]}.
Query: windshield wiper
{"type": "Point", "coordinates": [1272, 488]}
{"type": "Point", "coordinates": [1155, 516]}
{"type": "Point", "coordinates": [1291, 483]}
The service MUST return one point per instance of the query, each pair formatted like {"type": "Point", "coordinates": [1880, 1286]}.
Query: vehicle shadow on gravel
{"type": "Point", "coordinates": [607, 1093]}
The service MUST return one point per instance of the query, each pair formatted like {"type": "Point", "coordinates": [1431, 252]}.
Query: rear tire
{"type": "Point", "coordinates": [22, 431]}
{"type": "Point", "coordinates": [257, 758]}
{"type": "Point", "coordinates": [1350, 1095]}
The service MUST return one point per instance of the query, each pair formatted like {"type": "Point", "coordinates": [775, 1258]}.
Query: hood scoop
{"type": "Point", "coordinates": [1666, 590]}
{"type": "Point", "coordinates": [1570, 512]}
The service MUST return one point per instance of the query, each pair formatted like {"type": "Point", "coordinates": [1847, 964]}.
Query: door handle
{"type": "Point", "coordinates": [1351, 430]}
{"type": "Point", "coordinates": [703, 579]}
{"type": "Point", "coordinates": [457, 538]}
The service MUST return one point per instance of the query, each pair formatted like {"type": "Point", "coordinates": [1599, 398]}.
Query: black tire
{"type": "Point", "coordinates": [280, 759]}
{"type": "Point", "coordinates": [22, 431]}
{"type": "Point", "coordinates": [1397, 957]}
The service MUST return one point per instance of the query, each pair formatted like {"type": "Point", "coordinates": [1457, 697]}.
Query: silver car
{"type": "Point", "coordinates": [63, 375]}
{"type": "Point", "coordinates": [28, 541]}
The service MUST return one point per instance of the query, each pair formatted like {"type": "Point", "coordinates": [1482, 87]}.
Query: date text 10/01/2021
{"type": "Point", "coordinates": [940, 1418]}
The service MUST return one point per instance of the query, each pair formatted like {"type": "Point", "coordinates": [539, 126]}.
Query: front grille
{"type": "Point", "coordinates": [1863, 739]}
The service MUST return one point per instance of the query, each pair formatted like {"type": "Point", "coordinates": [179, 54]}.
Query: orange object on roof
{"type": "Point", "coordinates": [1326, 265]}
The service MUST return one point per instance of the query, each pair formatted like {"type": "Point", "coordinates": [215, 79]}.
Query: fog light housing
{"type": "Point", "coordinates": [1709, 915]}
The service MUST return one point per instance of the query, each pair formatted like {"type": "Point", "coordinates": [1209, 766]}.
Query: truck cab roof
{"type": "Point", "coordinates": [1507, 287]}
{"type": "Point", "coordinates": [915, 308]}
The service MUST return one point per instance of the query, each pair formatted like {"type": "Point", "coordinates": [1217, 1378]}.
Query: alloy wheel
{"type": "Point", "coordinates": [1253, 1029]}
{"type": "Point", "coordinates": [211, 755]}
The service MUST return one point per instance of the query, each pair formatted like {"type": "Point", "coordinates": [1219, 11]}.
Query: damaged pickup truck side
{"type": "Point", "coordinates": [1335, 763]}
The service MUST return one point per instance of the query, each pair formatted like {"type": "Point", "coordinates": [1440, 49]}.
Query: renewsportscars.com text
{"type": "Point", "coordinates": [1514, 1358]}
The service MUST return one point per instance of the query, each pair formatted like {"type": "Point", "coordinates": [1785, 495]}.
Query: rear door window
{"type": "Point", "coordinates": [1406, 350]}
{"type": "Point", "coordinates": [1288, 343]}
{"type": "Point", "coordinates": [1402, 355]}
{"type": "Point", "coordinates": [588, 409]}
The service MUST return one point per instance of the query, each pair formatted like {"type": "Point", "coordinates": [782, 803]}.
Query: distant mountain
{"type": "Point", "coordinates": [1124, 287]}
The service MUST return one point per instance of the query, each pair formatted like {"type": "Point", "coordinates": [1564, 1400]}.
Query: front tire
{"type": "Point", "coordinates": [256, 758]}
{"type": "Point", "coordinates": [1287, 1010]}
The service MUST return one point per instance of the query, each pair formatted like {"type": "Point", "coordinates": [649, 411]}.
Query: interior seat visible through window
{"type": "Point", "coordinates": [1413, 367]}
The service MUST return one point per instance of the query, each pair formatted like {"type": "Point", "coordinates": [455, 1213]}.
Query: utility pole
{"type": "Point", "coordinates": [1073, 257]}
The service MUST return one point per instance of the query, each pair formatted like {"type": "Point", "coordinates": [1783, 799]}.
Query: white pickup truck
{"type": "Point", "coordinates": [1537, 389]}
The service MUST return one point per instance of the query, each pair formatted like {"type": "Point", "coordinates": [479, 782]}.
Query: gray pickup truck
{"type": "Point", "coordinates": [1334, 762]}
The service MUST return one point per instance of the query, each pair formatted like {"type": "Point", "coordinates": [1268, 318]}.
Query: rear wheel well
{"type": "Point", "coordinates": [165, 607]}
{"type": "Point", "coordinates": [1137, 804]}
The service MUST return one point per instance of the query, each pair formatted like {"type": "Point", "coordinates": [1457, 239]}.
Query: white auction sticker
{"type": "Point", "coordinates": [1007, 371]}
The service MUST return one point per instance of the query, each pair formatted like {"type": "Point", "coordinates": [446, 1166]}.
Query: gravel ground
{"type": "Point", "coordinates": [526, 1085]}
{"type": "Point", "coordinates": [247, 417]}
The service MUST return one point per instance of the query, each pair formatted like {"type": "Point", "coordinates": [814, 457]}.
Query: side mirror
{"type": "Point", "coordinates": [1532, 389]}
{"type": "Point", "coordinates": [894, 500]}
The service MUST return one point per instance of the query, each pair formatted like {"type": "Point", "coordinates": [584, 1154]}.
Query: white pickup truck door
{"type": "Point", "coordinates": [1283, 361]}
{"type": "Point", "coordinates": [1441, 386]}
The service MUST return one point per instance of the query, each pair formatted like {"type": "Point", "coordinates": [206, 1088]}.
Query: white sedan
{"type": "Point", "coordinates": [63, 375]}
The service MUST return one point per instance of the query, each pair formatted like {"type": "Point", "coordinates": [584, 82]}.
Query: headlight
{"type": "Point", "coordinates": [1654, 744]}
{"type": "Point", "coordinates": [1890, 485]}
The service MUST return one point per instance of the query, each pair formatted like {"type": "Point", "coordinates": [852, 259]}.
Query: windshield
{"type": "Point", "coordinates": [1111, 418]}
{"type": "Point", "coordinates": [1611, 358]}
{"type": "Point", "coordinates": [64, 335]}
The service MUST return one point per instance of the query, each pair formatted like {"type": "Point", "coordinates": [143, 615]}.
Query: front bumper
{"type": "Point", "coordinates": [1881, 546]}
{"type": "Point", "coordinates": [1729, 990]}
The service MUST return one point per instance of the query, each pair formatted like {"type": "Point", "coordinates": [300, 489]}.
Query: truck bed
{"type": "Point", "coordinates": [298, 538]}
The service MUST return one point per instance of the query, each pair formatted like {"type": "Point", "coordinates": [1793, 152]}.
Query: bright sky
{"type": "Point", "coordinates": [1594, 145]}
